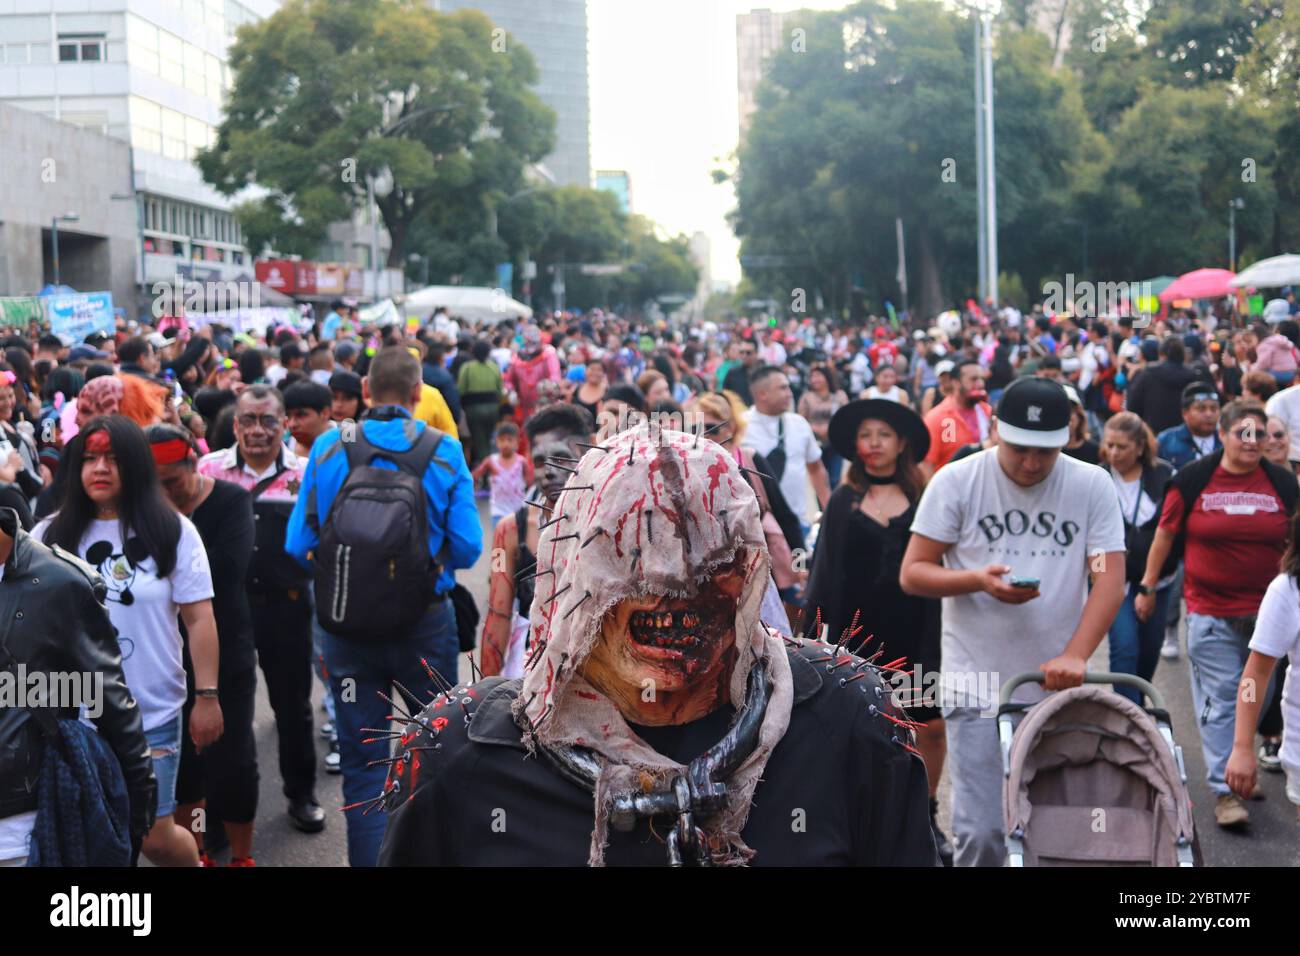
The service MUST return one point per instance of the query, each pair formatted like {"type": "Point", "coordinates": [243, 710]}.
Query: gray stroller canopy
{"type": "Point", "coordinates": [1093, 783]}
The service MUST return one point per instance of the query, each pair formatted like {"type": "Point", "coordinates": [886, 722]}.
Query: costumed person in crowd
{"type": "Point", "coordinates": [855, 569]}
{"type": "Point", "coordinates": [655, 701]}
{"type": "Point", "coordinates": [115, 518]}
{"type": "Point", "coordinates": [534, 364]}
{"type": "Point", "coordinates": [556, 435]}
{"type": "Point", "coordinates": [223, 779]}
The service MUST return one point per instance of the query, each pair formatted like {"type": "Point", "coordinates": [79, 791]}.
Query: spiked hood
{"type": "Point", "coordinates": [650, 512]}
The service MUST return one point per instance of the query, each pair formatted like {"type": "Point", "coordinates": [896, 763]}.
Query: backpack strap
{"type": "Point", "coordinates": [415, 460]}
{"type": "Point", "coordinates": [1191, 480]}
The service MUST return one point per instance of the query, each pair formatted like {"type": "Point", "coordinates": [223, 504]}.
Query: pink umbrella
{"type": "Point", "coordinates": [1200, 284]}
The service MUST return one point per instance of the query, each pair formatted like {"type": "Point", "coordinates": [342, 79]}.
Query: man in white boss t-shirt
{"type": "Point", "coordinates": [1009, 537]}
{"type": "Point", "coordinates": [786, 440]}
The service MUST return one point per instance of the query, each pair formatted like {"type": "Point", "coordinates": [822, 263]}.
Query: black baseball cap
{"type": "Point", "coordinates": [1034, 412]}
{"type": "Point", "coordinates": [1194, 392]}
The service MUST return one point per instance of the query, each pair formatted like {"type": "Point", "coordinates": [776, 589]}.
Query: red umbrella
{"type": "Point", "coordinates": [1200, 284]}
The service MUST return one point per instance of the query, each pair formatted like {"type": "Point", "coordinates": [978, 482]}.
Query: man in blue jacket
{"type": "Point", "coordinates": [1198, 435]}
{"type": "Point", "coordinates": [359, 670]}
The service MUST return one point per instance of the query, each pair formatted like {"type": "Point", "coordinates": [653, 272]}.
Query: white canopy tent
{"type": "Point", "coordinates": [1269, 273]}
{"type": "Point", "coordinates": [476, 303]}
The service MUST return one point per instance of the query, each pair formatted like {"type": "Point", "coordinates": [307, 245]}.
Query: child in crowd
{"type": "Point", "coordinates": [509, 473]}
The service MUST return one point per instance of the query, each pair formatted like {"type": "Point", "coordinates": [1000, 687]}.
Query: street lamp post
{"type": "Point", "coordinates": [1233, 206]}
{"type": "Point", "coordinates": [980, 236]}
{"type": "Point", "coordinates": [424, 267]}
{"type": "Point", "coordinates": [54, 240]}
{"type": "Point", "coordinates": [377, 184]}
{"type": "Point", "coordinates": [988, 10]}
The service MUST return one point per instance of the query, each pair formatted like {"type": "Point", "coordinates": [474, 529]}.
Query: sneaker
{"type": "Point", "coordinates": [1169, 650]}
{"type": "Point", "coordinates": [1230, 813]}
{"type": "Point", "coordinates": [327, 731]}
{"type": "Point", "coordinates": [1268, 755]}
{"type": "Point", "coordinates": [205, 860]}
{"type": "Point", "coordinates": [241, 861]}
{"type": "Point", "coordinates": [332, 759]}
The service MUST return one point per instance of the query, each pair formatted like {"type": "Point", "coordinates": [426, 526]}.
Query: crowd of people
{"type": "Point", "coordinates": [988, 494]}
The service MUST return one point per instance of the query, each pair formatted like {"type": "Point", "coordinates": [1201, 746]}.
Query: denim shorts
{"type": "Point", "coordinates": [167, 738]}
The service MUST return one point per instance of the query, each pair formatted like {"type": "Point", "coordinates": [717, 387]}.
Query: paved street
{"type": "Point", "coordinates": [1271, 841]}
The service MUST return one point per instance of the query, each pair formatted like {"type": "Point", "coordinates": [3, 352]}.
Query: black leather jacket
{"type": "Point", "coordinates": [52, 618]}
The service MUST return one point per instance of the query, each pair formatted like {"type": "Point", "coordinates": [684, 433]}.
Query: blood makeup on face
{"type": "Point", "coordinates": [672, 641]}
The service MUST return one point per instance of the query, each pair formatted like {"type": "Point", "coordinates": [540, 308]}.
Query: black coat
{"type": "Point", "coordinates": [839, 789]}
{"type": "Point", "coordinates": [52, 619]}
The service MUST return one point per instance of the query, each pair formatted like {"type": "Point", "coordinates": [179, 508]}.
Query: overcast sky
{"type": "Point", "coordinates": [664, 107]}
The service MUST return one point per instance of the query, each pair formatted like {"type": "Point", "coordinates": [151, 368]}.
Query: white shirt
{"type": "Point", "coordinates": [895, 394]}
{"type": "Point", "coordinates": [801, 450]}
{"type": "Point", "coordinates": [1286, 406]}
{"type": "Point", "coordinates": [1049, 531]}
{"type": "Point", "coordinates": [143, 608]}
{"type": "Point", "coordinates": [773, 353]}
{"type": "Point", "coordinates": [1277, 634]}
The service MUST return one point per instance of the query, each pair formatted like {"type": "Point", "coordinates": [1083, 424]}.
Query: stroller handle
{"type": "Point", "coordinates": [1091, 677]}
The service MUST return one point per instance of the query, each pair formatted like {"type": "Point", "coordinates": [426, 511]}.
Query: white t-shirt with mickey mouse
{"type": "Point", "coordinates": [144, 609]}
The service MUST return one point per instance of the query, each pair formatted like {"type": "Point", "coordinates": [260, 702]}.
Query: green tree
{"type": "Point", "coordinates": [326, 92]}
{"type": "Point", "coordinates": [875, 121]}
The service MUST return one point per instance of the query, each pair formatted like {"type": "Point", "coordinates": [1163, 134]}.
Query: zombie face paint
{"type": "Point", "coordinates": [666, 660]}
{"type": "Point", "coordinates": [553, 452]}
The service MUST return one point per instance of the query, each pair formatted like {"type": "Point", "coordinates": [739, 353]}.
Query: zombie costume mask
{"type": "Point", "coordinates": [655, 560]}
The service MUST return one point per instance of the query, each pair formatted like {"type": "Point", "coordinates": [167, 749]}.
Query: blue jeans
{"type": "Point", "coordinates": [167, 738]}
{"type": "Point", "coordinates": [358, 673]}
{"type": "Point", "coordinates": [318, 664]}
{"type": "Point", "coordinates": [834, 465]}
{"type": "Point", "coordinates": [1217, 648]}
{"type": "Point", "coordinates": [1134, 644]}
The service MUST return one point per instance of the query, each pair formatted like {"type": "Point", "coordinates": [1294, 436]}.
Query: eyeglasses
{"type": "Point", "coordinates": [269, 422]}
{"type": "Point", "coordinates": [1277, 434]}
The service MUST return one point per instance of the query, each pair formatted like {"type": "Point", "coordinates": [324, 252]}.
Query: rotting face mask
{"type": "Point", "coordinates": [651, 567]}
{"type": "Point", "coordinates": [683, 650]}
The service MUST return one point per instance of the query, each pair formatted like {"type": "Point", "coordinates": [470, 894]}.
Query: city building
{"type": "Point", "coordinates": [555, 32]}
{"type": "Point", "coordinates": [80, 178]}
{"type": "Point", "coordinates": [758, 34]}
{"type": "Point", "coordinates": [153, 74]}
{"type": "Point", "coordinates": [618, 182]}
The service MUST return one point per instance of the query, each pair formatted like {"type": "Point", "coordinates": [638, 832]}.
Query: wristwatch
{"type": "Point", "coordinates": [1145, 589]}
{"type": "Point", "coordinates": [205, 692]}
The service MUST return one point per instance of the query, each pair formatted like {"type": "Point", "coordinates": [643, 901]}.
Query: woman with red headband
{"type": "Point", "coordinates": [114, 516]}
{"type": "Point", "coordinates": [222, 781]}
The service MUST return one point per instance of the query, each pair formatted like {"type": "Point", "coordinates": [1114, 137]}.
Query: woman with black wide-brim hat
{"type": "Point", "coordinates": [855, 568]}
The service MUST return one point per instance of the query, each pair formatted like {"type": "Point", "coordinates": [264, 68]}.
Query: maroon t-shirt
{"type": "Point", "coordinates": [1236, 534]}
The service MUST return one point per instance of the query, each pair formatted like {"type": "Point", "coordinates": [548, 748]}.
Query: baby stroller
{"type": "Point", "coordinates": [1092, 779]}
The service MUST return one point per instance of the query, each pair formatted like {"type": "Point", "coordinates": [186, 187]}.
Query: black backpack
{"type": "Point", "coordinates": [374, 575]}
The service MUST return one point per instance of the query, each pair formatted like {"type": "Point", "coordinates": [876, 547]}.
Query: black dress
{"type": "Point", "coordinates": [855, 570]}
